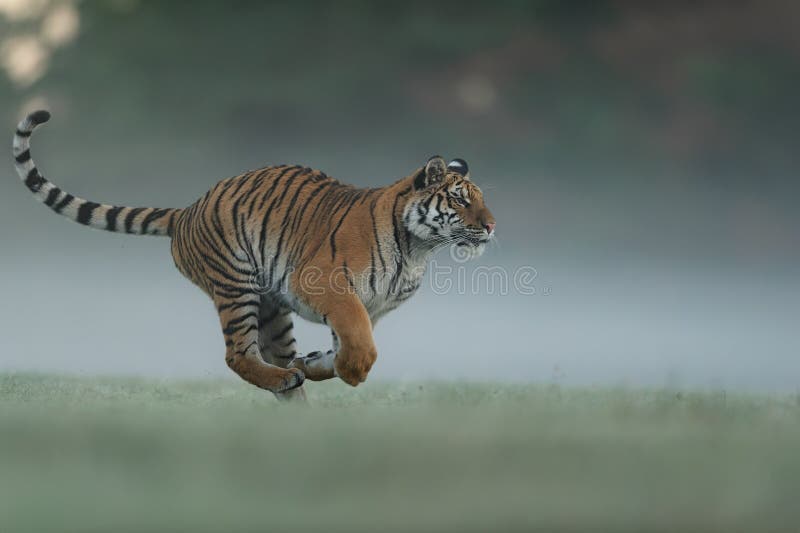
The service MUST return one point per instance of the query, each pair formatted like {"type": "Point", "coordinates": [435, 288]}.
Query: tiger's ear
{"type": "Point", "coordinates": [460, 166]}
{"type": "Point", "coordinates": [433, 172]}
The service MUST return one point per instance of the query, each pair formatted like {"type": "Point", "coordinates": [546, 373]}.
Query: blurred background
{"type": "Point", "coordinates": [641, 157]}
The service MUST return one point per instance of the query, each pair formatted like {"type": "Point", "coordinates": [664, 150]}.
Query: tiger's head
{"type": "Point", "coordinates": [447, 208]}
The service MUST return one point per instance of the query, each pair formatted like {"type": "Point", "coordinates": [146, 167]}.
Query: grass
{"type": "Point", "coordinates": [103, 454]}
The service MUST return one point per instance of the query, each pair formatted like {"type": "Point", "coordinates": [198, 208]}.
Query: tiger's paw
{"type": "Point", "coordinates": [294, 378]}
{"type": "Point", "coordinates": [354, 370]}
{"type": "Point", "coordinates": [317, 366]}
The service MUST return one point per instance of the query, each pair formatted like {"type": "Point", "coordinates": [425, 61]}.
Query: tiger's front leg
{"type": "Point", "coordinates": [349, 319]}
{"type": "Point", "coordinates": [350, 322]}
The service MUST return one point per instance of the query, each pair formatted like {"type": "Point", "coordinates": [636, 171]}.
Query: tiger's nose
{"type": "Point", "coordinates": [489, 226]}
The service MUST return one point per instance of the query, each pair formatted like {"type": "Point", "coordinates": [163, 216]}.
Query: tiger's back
{"type": "Point", "coordinates": [238, 231]}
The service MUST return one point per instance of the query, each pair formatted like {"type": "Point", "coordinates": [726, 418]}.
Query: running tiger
{"type": "Point", "coordinates": [289, 238]}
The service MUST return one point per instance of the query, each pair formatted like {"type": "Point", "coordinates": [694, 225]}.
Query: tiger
{"type": "Point", "coordinates": [290, 239]}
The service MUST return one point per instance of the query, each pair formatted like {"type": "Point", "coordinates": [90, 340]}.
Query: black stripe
{"type": "Point", "coordinates": [328, 197]}
{"type": "Point", "coordinates": [276, 181]}
{"type": "Point", "coordinates": [236, 305]}
{"type": "Point", "coordinates": [216, 258]}
{"type": "Point", "coordinates": [375, 234]}
{"type": "Point", "coordinates": [217, 231]}
{"type": "Point", "coordinates": [34, 181]}
{"type": "Point", "coordinates": [257, 181]}
{"type": "Point", "coordinates": [242, 318]}
{"type": "Point", "coordinates": [111, 218]}
{"type": "Point", "coordinates": [251, 345]}
{"type": "Point", "coordinates": [427, 202]}
{"type": "Point", "coordinates": [51, 196]}
{"type": "Point", "coordinates": [236, 293]}
{"type": "Point", "coordinates": [289, 210]}
{"type": "Point", "coordinates": [347, 276]}
{"type": "Point", "coordinates": [276, 202]}
{"type": "Point", "coordinates": [63, 203]}
{"type": "Point", "coordinates": [276, 253]}
{"type": "Point", "coordinates": [263, 234]}
{"type": "Point", "coordinates": [171, 224]}
{"type": "Point", "coordinates": [216, 284]}
{"type": "Point", "coordinates": [353, 199]}
{"type": "Point", "coordinates": [85, 212]}
{"type": "Point", "coordinates": [130, 216]}
{"type": "Point", "coordinates": [247, 238]}
{"type": "Point", "coordinates": [201, 233]}
{"type": "Point", "coordinates": [299, 218]}
{"type": "Point", "coordinates": [419, 179]}
{"type": "Point", "coordinates": [239, 229]}
{"type": "Point", "coordinates": [243, 179]}
{"type": "Point", "coordinates": [328, 205]}
{"type": "Point", "coordinates": [224, 273]}
{"type": "Point", "coordinates": [155, 214]}
{"type": "Point", "coordinates": [297, 191]}
{"type": "Point", "coordinates": [239, 330]}
{"type": "Point", "coordinates": [396, 231]}
{"type": "Point", "coordinates": [24, 156]}
{"type": "Point", "coordinates": [283, 332]}
{"type": "Point", "coordinates": [372, 271]}
{"type": "Point", "coordinates": [296, 222]}
{"type": "Point", "coordinates": [214, 236]}
{"type": "Point", "coordinates": [21, 133]}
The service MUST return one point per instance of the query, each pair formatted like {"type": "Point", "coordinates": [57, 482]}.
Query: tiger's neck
{"type": "Point", "coordinates": [411, 248]}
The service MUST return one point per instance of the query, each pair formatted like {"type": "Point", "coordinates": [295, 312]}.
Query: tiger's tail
{"type": "Point", "coordinates": [134, 220]}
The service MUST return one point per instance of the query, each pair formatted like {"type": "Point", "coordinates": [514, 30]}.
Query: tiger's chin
{"type": "Point", "coordinates": [478, 249]}
{"type": "Point", "coordinates": [466, 250]}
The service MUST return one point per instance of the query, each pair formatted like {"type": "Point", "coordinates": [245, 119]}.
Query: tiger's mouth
{"type": "Point", "coordinates": [472, 241]}
{"type": "Point", "coordinates": [470, 248]}
{"type": "Point", "coordinates": [473, 238]}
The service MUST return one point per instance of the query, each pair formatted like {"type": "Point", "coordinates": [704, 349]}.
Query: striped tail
{"type": "Point", "coordinates": [135, 220]}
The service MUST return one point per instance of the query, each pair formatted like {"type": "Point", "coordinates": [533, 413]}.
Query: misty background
{"type": "Point", "coordinates": [641, 157]}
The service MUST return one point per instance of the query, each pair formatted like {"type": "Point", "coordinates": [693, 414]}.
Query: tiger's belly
{"type": "Point", "coordinates": [302, 309]}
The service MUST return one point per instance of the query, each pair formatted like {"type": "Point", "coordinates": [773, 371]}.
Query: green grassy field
{"type": "Point", "coordinates": [104, 454]}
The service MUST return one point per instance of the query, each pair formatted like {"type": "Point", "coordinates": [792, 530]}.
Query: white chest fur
{"type": "Point", "coordinates": [392, 290]}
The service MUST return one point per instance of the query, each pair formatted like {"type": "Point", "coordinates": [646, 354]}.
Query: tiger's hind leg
{"type": "Point", "coordinates": [240, 325]}
{"type": "Point", "coordinates": [277, 343]}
